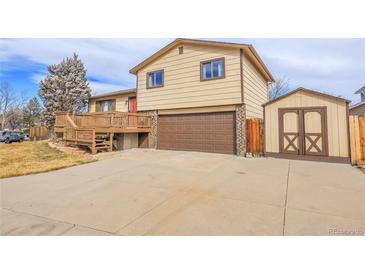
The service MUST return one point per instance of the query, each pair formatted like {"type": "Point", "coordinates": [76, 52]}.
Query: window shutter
{"type": "Point", "coordinates": [113, 105]}
{"type": "Point", "coordinates": [97, 106]}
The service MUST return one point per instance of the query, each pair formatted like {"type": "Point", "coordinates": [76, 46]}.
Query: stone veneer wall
{"type": "Point", "coordinates": [241, 130]}
{"type": "Point", "coordinates": [153, 139]}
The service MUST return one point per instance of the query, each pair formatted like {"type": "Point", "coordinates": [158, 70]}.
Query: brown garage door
{"type": "Point", "coordinates": [207, 132]}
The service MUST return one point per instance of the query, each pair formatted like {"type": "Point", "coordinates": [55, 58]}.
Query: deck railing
{"type": "Point", "coordinates": [112, 119]}
{"type": "Point", "coordinates": [96, 129]}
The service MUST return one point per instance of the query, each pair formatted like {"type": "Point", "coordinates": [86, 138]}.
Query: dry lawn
{"type": "Point", "coordinates": [24, 158]}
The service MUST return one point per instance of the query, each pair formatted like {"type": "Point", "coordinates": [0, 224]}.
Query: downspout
{"type": "Point", "coordinates": [242, 78]}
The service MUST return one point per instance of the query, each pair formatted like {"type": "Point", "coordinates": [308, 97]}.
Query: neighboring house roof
{"type": "Point", "coordinates": [248, 48]}
{"type": "Point", "coordinates": [309, 91]}
{"type": "Point", "coordinates": [360, 91]}
{"type": "Point", "coordinates": [114, 93]}
{"type": "Point", "coordinates": [357, 105]}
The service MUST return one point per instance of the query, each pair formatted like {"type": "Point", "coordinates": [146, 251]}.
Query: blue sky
{"type": "Point", "coordinates": [334, 66]}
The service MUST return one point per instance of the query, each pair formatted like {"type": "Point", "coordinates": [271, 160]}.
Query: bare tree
{"type": "Point", "coordinates": [278, 88]}
{"type": "Point", "coordinates": [7, 101]}
{"type": "Point", "coordinates": [15, 118]}
{"type": "Point", "coordinates": [11, 105]}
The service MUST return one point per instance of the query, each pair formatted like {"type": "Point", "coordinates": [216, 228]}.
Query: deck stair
{"type": "Point", "coordinates": [104, 142]}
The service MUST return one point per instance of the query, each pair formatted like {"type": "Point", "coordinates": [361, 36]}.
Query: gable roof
{"type": "Point", "coordinates": [247, 47]}
{"type": "Point", "coordinates": [308, 91]}
{"type": "Point", "coordinates": [357, 105]}
{"type": "Point", "coordinates": [361, 90]}
{"type": "Point", "coordinates": [114, 93]}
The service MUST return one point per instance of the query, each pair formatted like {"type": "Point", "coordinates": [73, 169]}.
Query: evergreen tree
{"type": "Point", "coordinates": [32, 113]}
{"type": "Point", "coordinates": [65, 88]}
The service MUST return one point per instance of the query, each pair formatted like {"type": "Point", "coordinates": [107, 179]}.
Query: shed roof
{"type": "Point", "coordinates": [263, 69]}
{"type": "Point", "coordinates": [114, 93]}
{"type": "Point", "coordinates": [308, 91]}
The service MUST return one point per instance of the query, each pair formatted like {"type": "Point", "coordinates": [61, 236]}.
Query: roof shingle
{"type": "Point", "coordinates": [114, 93]}
{"type": "Point", "coordinates": [361, 90]}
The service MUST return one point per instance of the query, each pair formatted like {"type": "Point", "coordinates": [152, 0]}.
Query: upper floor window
{"type": "Point", "coordinates": [213, 69]}
{"type": "Point", "coordinates": [155, 79]}
{"type": "Point", "coordinates": [105, 105]}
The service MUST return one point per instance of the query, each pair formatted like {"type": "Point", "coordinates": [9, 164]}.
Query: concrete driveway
{"type": "Point", "coordinates": [149, 192]}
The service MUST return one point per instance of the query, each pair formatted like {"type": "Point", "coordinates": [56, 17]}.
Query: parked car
{"type": "Point", "coordinates": [8, 137]}
{"type": "Point", "coordinates": [23, 137]}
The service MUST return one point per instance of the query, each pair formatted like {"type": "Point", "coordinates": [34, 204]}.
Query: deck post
{"type": "Point", "coordinates": [112, 119]}
{"type": "Point", "coordinates": [111, 137]}
{"type": "Point", "coordinates": [93, 145]}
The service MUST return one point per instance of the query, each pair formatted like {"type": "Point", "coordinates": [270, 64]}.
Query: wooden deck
{"type": "Point", "coordinates": [96, 129]}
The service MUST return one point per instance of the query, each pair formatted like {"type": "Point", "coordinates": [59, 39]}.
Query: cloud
{"type": "Point", "coordinates": [96, 86]}
{"type": "Point", "coordinates": [336, 66]}
{"type": "Point", "coordinates": [100, 87]}
{"type": "Point", "coordinates": [105, 59]}
{"type": "Point", "coordinates": [333, 65]}
{"type": "Point", "coordinates": [36, 78]}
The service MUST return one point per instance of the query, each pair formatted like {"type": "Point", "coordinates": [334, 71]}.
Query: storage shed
{"type": "Point", "coordinates": [307, 125]}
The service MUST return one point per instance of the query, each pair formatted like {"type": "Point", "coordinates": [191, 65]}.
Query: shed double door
{"type": "Point", "coordinates": [303, 131]}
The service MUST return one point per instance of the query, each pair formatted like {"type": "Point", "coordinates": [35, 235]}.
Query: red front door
{"type": "Point", "coordinates": [132, 108]}
{"type": "Point", "coordinates": [132, 104]}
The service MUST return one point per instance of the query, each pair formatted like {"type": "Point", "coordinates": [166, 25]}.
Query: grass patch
{"type": "Point", "coordinates": [24, 158]}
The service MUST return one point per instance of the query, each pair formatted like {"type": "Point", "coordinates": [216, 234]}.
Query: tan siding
{"type": "Point", "coordinates": [360, 110]}
{"type": "Point", "coordinates": [182, 85]}
{"type": "Point", "coordinates": [120, 105]}
{"type": "Point", "coordinates": [255, 90]}
{"type": "Point", "coordinates": [336, 121]}
{"type": "Point", "coordinates": [197, 110]}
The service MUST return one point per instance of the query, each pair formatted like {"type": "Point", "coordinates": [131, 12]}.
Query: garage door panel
{"type": "Point", "coordinates": [207, 132]}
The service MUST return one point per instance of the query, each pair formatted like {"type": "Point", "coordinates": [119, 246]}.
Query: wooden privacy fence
{"type": "Point", "coordinates": [254, 136]}
{"type": "Point", "coordinates": [38, 133]}
{"type": "Point", "coordinates": [357, 139]}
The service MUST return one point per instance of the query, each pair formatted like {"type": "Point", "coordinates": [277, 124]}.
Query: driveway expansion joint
{"type": "Point", "coordinates": [326, 214]}
{"type": "Point", "coordinates": [286, 197]}
{"type": "Point", "coordinates": [58, 221]}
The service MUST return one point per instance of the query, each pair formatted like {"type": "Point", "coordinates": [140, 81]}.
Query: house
{"type": "Point", "coordinates": [196, 95]}
{"type": "Point", "coordinates": [307, 125]}
{"type": "Point", "coordinates": [200, 93]}
{"type": "Point", "coordinates": [359, 108]}
{"type": "Point", "coordinates": [122, 100]}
